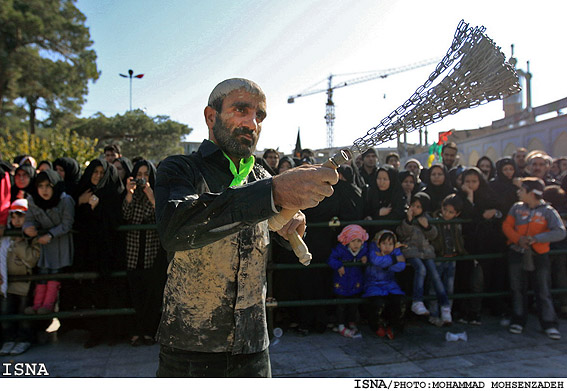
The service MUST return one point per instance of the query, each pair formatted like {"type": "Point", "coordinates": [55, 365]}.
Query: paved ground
{"type": "Point", "coordinates": [421, 351]}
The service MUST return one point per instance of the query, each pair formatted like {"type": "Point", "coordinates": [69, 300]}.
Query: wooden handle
{"type": "Point", "coordinates": [275, 223]}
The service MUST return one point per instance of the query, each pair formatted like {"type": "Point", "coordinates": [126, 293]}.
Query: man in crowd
{"type": "Point", "coordinates": [520, 159]}
{"type": "Point", "coordinates": [539, 164]}
{"type": "Point", "coordinates": [369, 166]}
{"type": "Point", "coordinates": [449, 155]}
{"type": "Point", "coordinates": [111, 153]}
{"type": "Point", "coordinates": [393, 159]}
{"type": "Point", "coordinates": [212, 209]}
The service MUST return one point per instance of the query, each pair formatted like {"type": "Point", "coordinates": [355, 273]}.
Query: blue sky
{"type": "Point", "coordinates": [185, 47]}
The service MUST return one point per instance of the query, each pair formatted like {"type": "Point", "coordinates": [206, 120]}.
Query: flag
{"type": "Point", "coordinates": [139, 76]}
{"type": "Point", "coordinates": [444, 136]}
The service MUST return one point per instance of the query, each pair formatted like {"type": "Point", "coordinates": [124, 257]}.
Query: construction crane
{"type": "Point", "coordinates": [369, 75]}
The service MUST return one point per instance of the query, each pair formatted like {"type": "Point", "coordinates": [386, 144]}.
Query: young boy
{"type": "Point", "coordinates": [20, 256]}
{"type": "Point", "coordinates": [530, 226]}
{"type": "Point", "coordinates": [347, 282]}
{"type": "Point", "coordinates": [416, 233]}
{"type": "Point", "coordinates": [448, 243]}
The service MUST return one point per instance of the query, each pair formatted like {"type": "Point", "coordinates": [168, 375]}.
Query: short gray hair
{"type": "Point", "coordinates": [226, 87]}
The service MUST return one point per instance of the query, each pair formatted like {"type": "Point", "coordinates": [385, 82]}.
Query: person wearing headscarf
{"type": "Point", "coordinates": [97, 244]}
{"type": "Point", "coordinates": [415, 166]}
{"type": "Point", "coordinates": [50, 217]}
{"type": "Point", "coordinates": [482, 235]}
{"type": "Point", "coordinates": [456, 177]}
{"type": "Point", "coordinates": [314, 284]}
{"type": "Point", "coordinates": [438, 186]}
{"type": "Point", "coordinates": [124, 168]}
{"type": "Point", "coordinates": [409, 185]}
{"type": "Point", "coordinates": [384, 200]}
{"type": "Point", "coordinates": [24, 177]}
{"type": "Point", "coordinates": [142, 248]}
{"type": "Point", "coordinates": [285, 164]}
{"type": "Point", "coordinates": [486, 166]}
{"type": "Point", "coordinates": [44, 165]}
{"type": "Point", "coordinates": [69, 169]}
{"type": "Point", "coordinates": [503, 183]}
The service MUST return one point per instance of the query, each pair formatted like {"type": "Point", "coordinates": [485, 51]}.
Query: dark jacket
{"type": "Point", "coordinates": [417, 239]}
{"type": "Point", "coordinates": [217, 239]}
{"type": "Point", "coordinates": [350, 283]}
{"type": "Point", "coordinates": [455, 231]}
{"type": "Point", "coordinates": [379, 278]}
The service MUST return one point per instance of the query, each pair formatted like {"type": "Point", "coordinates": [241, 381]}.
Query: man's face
{"type": "Point", "coordinates": [369, 161]}
{"type": "Point", "coordinates": [394, 161]}
{"type": "Point", "coordinates": [237, 128]}
{"type": "Point", "coordinates": [413, 167]}
{"type": "Point", "coordinates": [520, 158]}
{"type": "Point", "coordinates": [110, 156]}
{"type": "Point", "coordinates": [449, 156]}
{"type": "Point", "coordinates": [272, 159]}
{"type": "Point", "coordinates": [539, 167]}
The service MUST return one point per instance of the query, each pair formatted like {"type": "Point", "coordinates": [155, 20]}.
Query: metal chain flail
{"type": "Point", "coordinates": [480, 74]}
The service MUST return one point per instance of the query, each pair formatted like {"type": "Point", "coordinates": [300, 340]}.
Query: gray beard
{"type": "Point", "coordinates": [229, 143]}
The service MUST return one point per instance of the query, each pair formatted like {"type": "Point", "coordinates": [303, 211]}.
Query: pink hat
{"type": "Point", "coordinates": [351, 232]}
{"type": "Point", "coordinates": [20, 205]}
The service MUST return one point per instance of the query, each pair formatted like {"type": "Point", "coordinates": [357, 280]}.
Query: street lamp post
{"type": "Point", "coordinates": [129, 76]}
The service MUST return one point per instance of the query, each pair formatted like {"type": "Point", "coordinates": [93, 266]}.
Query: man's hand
{"type": "Point", "coordinates": [524, 242]}
{"type": "Point", "coordinates": [297, 223]}
{"type": "Point", "coordinates": [45, 239]}
{"type": "Point", "coordinates": [303, 187]}
{"type": "Point", "coordinates": [489, 213]}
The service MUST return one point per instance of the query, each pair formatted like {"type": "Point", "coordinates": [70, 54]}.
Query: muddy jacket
{"type": "Point", "coordinates": [217, 240]}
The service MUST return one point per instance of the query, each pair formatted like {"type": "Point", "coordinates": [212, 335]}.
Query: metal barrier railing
{"type": "Point", "coordinates": [271, 267]}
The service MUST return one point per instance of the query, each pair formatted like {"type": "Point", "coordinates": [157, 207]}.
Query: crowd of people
{"type": "Point", "coordinates": [512, 206]}
{"type": "Point", "coordinates": [66, 221]}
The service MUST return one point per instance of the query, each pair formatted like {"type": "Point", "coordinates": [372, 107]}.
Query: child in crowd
{"type": "Point", "coordinates": [50, 218]}
{"type": "Point", "coordinates": [530, 226]}
{"type": "Point", "coordinates": [416, 233]}
{"type": "Point", "coordinates": [387, 300]}
{"type": "Point", "coordinates": [557, 197]}
{"type": "Point", "coordinates": [18, 256]}
{"type": "Point", "coordinates": [448, 243]}
{"type": "Point", "coordinates": [347, 281]}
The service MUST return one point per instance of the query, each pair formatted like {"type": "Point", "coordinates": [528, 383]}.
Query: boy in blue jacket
{"type": "Point", "coordinates": [347, 281]}
{"type": "Point", "coordinates": [387, 300]}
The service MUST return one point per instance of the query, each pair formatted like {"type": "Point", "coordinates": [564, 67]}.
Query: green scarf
{"type": "Point", "coordinates": [245, 167]}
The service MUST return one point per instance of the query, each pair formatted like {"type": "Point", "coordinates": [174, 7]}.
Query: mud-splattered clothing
{"type": "Point", "coordinates": [217, 239]}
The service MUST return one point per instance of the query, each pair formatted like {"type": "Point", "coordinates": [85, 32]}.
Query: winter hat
{"type": "Point", "coordinates": [423, 199]}
{"type": "Point", "coordinates": [379, 235]}
{"type": "Point", "coordinates": [20, 205]}
{"type": "Point", "coordinates": [351, 232]}
{"type": "Point", "coordinates": [369, 151]}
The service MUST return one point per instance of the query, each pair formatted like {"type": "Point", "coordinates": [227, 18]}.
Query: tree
{"type": "Point", "coordinates": [45, 60]}
{"type": "Point", "coordinates": [49, 147]}
{"type": "Point", "coordinates": [136, 133]}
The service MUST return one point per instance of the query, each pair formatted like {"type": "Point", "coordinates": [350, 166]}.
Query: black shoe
{"type": "Point", "coordinates": [91, 342]}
